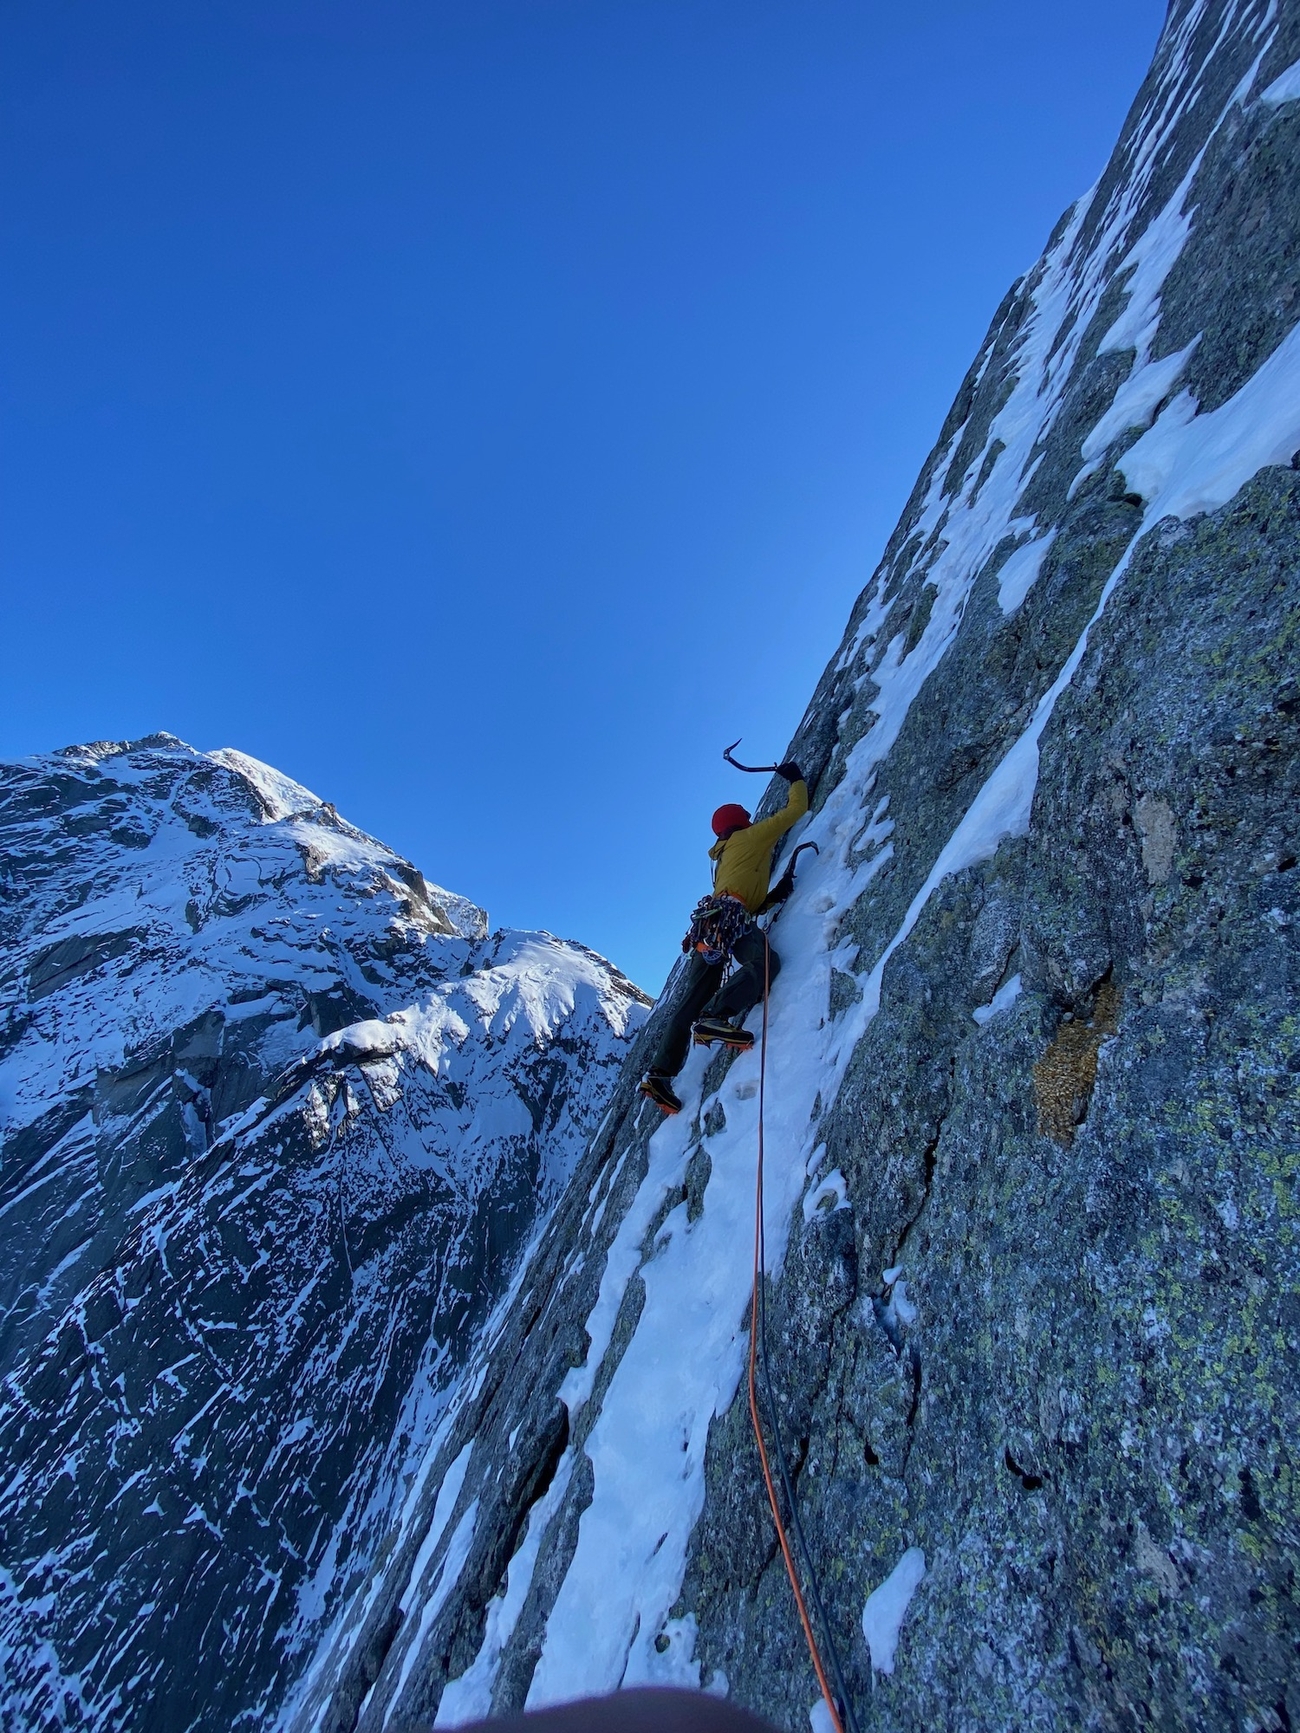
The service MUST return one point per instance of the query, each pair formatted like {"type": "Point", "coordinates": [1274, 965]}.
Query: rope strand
{"type": "Point", "coordinates": [757, 1336]}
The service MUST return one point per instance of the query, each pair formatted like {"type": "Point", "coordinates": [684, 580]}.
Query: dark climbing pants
{"type": "Point", "coordinates": [701, 995]}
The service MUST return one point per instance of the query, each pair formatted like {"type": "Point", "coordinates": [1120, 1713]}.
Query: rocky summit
{"type": "Point", "coordinates": [279, 1120]}
{"type": "Point", "coordinates": [377, 1356]}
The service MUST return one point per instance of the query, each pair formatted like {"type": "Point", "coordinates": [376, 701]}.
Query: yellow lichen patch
{"type": "Point", "coordinates": [1105, 1009]}
{"type": "Point", "coordinates": [1065, 1075]}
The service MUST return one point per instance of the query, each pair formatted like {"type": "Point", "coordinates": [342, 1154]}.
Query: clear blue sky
{"type": "Point", "coordinates": [484, 410]}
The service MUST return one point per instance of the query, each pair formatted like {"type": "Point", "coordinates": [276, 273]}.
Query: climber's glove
{"type": "Point", "coordinates": [790, 770]}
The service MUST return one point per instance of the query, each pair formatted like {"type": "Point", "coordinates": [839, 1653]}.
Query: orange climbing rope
{"type": "Point", "coordinates": [791, 1572]}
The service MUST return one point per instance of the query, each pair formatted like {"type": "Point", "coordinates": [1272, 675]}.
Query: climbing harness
{"type": "Point", "coordinates": [717, 923]}
{"type": "Point", "coordinates": [758, 1351]}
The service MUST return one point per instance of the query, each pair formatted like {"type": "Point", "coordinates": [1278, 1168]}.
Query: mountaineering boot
{"type": "Point", "coordinates": [657, 1086]}
{"type": "Point", "coordinates": [710, 1029]}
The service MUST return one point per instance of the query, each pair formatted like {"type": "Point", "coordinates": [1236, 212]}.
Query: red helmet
{"type": "Point", "coordinates": [729, 818]}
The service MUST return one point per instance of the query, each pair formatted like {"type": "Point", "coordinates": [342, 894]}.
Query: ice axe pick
{"type": "Point", "coordinates": [754, 769]}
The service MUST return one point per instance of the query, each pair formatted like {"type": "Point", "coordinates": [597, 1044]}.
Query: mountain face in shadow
{"type": "Point", "coordinates": [280, 1119]}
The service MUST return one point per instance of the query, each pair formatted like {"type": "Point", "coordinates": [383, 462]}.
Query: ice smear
{"type": "Point", "coordinates": [1006, 995]}
{"type": "Point", "coordinates": [1020, 572]}
{"type": "Point", "coordinates": [1283, 89]}
{"type": "Point", "coordinates": [882, 1617]}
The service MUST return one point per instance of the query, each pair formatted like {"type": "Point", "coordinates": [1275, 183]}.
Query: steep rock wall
{"type": "Point", "coordinates": [1031, 1095]}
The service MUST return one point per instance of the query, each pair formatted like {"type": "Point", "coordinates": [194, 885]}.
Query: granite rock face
{"type": "Point", "coordinates": [1031, 1092]}
{"type": "Point", "coordinates": [279, 1119]}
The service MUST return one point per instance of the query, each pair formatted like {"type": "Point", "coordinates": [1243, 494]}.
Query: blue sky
{"type": "Point", "coordinates": [484, 410]}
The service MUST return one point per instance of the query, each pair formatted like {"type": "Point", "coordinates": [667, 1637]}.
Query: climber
{"type": "Point", "coordinates": [723, 931]}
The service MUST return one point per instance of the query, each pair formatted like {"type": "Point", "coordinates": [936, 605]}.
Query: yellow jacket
{"type": "Point", "coordinates": [745, 857]}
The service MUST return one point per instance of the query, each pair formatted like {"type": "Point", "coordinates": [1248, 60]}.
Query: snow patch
{"type": "Point", "coordinates": [1020, 572]}
{"type": "Point", "coordinates": [448, 1576]}
{"type": "Point", "coordinates": [1006, 995]}
{"type": "Point", "coordinates": [1189, 463]}
{"type": "Point", "coordinates": [670, 1659]}
{"type": "Point", "coordinates": [1138, 398]}
{"type": "Point", "coordinates": [282, 795]}
{"type": "Point", "coordinates": [882, 1617]}
{"type": "Point", "coordinates": [819, 1717]}
{"type": "Point", "coordinates": [469, 1697]}
{"type": "Point", "coordinates": [445, 1503]}
{"type": "Point", "coordinates": [1283, 89]}
{"type": "Point", "coordinates": [902, 1308]}
{"type": "Point", "coordinates": [829, 1193]}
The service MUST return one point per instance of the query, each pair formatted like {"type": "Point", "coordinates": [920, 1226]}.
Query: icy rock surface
{"type": "Point", "coordinates": [1036, 1321]}
{"type": "Point", "coordinates": [279, 1119]}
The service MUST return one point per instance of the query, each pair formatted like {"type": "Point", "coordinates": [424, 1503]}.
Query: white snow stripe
{"type": "Point", "coordinates": [886, 1608]}
{"type": "Point", "coordinates": [448, 1576]}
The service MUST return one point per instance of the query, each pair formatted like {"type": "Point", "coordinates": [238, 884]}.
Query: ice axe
{"type": "Point", "coordinates": [753, 769]}
{"type": "Point", "coordinates": [785, 884]}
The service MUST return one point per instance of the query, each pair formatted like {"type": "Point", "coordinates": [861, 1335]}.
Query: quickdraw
{"type": "Point", "coordinates": [716, 925]}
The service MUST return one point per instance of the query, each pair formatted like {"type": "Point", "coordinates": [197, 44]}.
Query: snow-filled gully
{"type": "Point", "coordinates": [685, 1359]}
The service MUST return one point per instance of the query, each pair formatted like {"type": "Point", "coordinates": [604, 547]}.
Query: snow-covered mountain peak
{"type": "Point", "coordinates": [282, 795]}
{"type": "Point", "coordinates": [279, 1118]}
